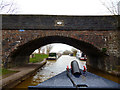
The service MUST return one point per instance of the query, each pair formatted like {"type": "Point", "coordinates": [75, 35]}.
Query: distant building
{"type": "Point", "coordinates": [119, 8]}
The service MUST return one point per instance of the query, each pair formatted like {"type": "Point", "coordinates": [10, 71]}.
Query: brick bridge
{"type": "Point", "coordinates": [97, 36]}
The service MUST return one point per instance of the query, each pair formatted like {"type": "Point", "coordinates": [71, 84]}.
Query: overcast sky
{"type": "Point", "coordinates": [61, 7]}
{"type": "Point", "coordinates": [59, 47]}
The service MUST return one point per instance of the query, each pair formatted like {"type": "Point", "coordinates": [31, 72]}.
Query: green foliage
{"type": "Point", "coordinates": [6, 71]}
{"type": "Point", "coordinates": [104, 50]}
{"type": "Point", "coordinates": [38, 58]}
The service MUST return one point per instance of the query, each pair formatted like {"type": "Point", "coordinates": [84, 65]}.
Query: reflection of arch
{"type": "Point", "coordinates": [21, 54]}
{"type": "Point", "coordinates": [29, 47]}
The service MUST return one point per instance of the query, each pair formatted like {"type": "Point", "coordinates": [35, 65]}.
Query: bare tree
{"type": "Point", "coordinates": [49, 48]}
{"type": "Point", "coordinates": [8, 7]}
{"type": "Point", "coordinates": [39, 49]}
{"type": "Point", "coordinates": [111, 6]}
{"type": "Point", "coordinates": [43, 50]}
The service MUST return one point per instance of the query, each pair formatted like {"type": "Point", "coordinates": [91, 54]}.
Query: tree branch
{"type": "Point", "coordinates": [7, 7]}
{"type": "Point", "coordinates": [112, 7]}
{"type": "Point", "coordinates": [10, 7]}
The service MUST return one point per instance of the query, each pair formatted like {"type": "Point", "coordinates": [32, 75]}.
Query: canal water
{"type": "Point", "coordinates": [54, 67]}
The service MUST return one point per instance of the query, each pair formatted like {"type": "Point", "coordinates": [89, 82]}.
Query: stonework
{"type": "Point", "coordinates": [98, 37]}
{"type": "Point", "coordinates": [13, 39]}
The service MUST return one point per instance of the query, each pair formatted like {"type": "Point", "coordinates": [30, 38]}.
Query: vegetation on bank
{"type": "Point", "coordinates": [38, 58]}
{"type": "Point", "coordinates": [6, 71]}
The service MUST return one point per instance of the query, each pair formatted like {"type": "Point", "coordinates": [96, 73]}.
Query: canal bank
{"type": "Point", "coordinates": [55, 67]}
{"type": "Point", "coordinates": [24, 72]}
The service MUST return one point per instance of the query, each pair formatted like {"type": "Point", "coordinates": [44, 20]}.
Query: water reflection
{"type": "Point", "coordinates": [52, 68]}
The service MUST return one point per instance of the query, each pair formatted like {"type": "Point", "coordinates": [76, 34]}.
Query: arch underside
{"type": "Point", "coordinates": [29, 47]}
{"type": "Point", "coordinates": [21, 54]}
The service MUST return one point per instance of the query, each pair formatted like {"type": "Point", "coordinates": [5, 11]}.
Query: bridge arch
{"type": "Point", "coordinates": [97, 32]}
{"type": "Point", "coordinates": [21, 55]}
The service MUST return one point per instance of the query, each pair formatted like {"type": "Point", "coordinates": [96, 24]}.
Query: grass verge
{"type": "Point", "coordinates": [6, 71]}
{"type": "Point", "coordinates": [38, 58]}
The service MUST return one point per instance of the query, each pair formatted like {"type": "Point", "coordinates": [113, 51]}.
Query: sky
{"type": "Point", "coordinates": [61, 7]}
{"type": "Point", "coordinates": [59, 47]}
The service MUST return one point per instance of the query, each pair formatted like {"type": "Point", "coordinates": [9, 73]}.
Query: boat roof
{"type": "Point", "coordinates": [89, 79]}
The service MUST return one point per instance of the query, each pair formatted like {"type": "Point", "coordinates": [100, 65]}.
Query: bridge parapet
{"type": "Point", "coordinates": [55, 22]}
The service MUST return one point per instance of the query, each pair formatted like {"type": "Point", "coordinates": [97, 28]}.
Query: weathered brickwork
{"type": "Point", "coordinates": [113, 50]}
{"type": "Point", "coordinates": [12, 39]}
